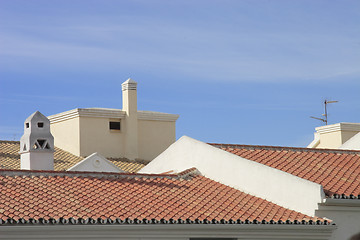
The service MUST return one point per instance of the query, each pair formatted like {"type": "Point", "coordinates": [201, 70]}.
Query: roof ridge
{"type": "Point", "coordinates": [9, 141]}
{"type": "Point", "coordinates": [142, 161]}
{"type": "Point", "coordinates": [47, 173]}
{"type": "Point", "coordinates": [189, 173]}
{"type": "Point", "coordinates": [300, 149]}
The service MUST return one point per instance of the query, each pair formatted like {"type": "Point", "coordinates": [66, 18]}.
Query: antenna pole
{"type": "Point", "coordinates": [326, 102]}
{"type": "Point", "coordinates": [326, 120]}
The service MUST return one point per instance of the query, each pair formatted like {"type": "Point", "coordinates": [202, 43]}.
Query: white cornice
{"type": "Point", "coordinates": [64, 116]}
{"type": "Point", "coordinates": [353, 127]}
{"type": "Point", "coordinates": [342, 202]}
{"type": "Point", "coordinates": [157, 116]}
{"type": "Point", "coordinates": [87, 112]}
{"type": "Point", "coordinates": [110, 113]}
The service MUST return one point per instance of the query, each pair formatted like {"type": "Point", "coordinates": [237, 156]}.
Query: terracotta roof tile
{"type": "Point", "coordinates": [63, 160]}
{"type": "Point", "coordinates": [127, 165]}
{"type": "Point", "coordinates": [79, 195]}
{"type": "Point", "coordinates": [337, 171]}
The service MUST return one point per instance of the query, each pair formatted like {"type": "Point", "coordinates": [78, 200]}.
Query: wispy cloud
{"type": "Point", "coordinates": [26, 98]}
{"type": "Point", "coordinates": [212, 52]}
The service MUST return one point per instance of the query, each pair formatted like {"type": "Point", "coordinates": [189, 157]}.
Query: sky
{"type": "Point", "coordinates": [236, 71]}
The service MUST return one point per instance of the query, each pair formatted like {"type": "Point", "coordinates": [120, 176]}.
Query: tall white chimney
{"type": "Point", "coordinates": [37, 144]}
{"type": "Point", "coordinates": [129, 93]}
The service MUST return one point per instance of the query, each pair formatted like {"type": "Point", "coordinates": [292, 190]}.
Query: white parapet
{"type": "Point", "coordinates": [248, 176]}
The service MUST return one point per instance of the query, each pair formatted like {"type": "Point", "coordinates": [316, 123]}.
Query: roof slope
{"type": "Point", "coordinates": [338, 171]}
{"type": "Point", "coordinates": [55, 196]}
{"type": "Point", "coordinates": [10, 157]}
{"type": "Point", "coordinates": [63, 160]}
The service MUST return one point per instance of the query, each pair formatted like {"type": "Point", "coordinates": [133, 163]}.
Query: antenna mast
{"type": "Point", "coordinates": [325, 115]}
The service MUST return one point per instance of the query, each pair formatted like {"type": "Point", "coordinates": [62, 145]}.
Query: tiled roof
{"type": "Point", "coordinates": [128, 165]}
{"type": "Point", "coordinates": [80, 198]}
{"type": "Point", "coordinates": [338, 171]}
{"type": "Point", "coordinates": [63, 160]}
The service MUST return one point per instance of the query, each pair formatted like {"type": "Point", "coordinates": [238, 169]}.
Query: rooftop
{"type": "Point", "coordinates": [110, 113]}
{"type": "Point", "coordinates": [338, 171]}
{"type": "Point", "coordinates": [89, 198]}
{"type": "Point", "coordinates": [63, 160]}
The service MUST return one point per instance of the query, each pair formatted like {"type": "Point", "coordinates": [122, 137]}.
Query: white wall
{"type": "Point", "coordinates": [67, 135]}
{"type": "Point", "coordinates": [154, 137]}
{"type": "Point", "coordinates": [346, 215]}
{"type": "Point", "coordinates": [352, 144]}
{"type": "Point", "coordinates": [95, 136]}
{"type": "Point", "coordinates": [37, 161]}
{"type": "Point", "coordinates": [85, 131]}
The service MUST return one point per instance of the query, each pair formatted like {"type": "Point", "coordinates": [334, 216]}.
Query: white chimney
{"type": "Point", "coordinates": [37, 144]}
{"type": "Point", "coordinates": [131, 120]}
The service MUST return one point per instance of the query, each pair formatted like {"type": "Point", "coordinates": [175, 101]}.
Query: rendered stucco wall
{"type": "Point", "coordinates": [335, 139]}
{"type": "Point", "coordinates": [85, 131]}
{"type": "Point", "coordinates": [335, 135]}
{"type": "Point", "coordinates": [347, 135]}
{"type": "Point", "coordinates": [346, 215]}
{"type": "Point", "coordinates": [37, 161]}
{"type": "Point", "coordinates": [352, 144]}
{"type": "Point", "coordinates": [330, 140]}
{"type": "Point", "coordinates": [96, 136]}
{"type": "Point", "coordinates": [67, 135]}
{"type": "Point", "coordinates": [154, 137]}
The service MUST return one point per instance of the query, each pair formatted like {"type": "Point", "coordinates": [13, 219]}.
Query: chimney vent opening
{"type": "Point", "coordinates": [36, 146]}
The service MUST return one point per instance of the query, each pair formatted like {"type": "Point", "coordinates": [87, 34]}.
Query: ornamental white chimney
{"type": "Point", "coordinates": [37, 144]}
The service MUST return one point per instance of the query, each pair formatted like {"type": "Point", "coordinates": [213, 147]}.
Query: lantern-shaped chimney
{"type": "Point", "coordinates": [37, 144]}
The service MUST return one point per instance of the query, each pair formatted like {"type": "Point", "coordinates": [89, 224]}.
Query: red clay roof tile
{"type": "Point", "coordinates": [55, 195]}
{"type": "Point", "coordinates": [337, 171]}
{"type": "Point", "coordinates": [63, 160]}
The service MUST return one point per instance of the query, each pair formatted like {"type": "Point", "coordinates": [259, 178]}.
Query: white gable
{"type": "Point", "coordinates": [248, 176]}
{"type": "Point", "coordinates": [352, 144]}
{"type": "Point", "coordinates": [95, 163]}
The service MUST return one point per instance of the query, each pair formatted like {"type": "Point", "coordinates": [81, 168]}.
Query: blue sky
{"type": "Point", "coordinates": [247, 72]}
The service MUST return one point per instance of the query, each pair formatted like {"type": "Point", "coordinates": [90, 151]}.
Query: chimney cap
{"type": "Point", "coordinates": [129, 85]}
{"type": "Point", "coordinates": [36, 115]}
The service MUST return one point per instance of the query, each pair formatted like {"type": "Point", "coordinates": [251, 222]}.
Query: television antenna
{"type": "Point", "coordinates": [325, 115]}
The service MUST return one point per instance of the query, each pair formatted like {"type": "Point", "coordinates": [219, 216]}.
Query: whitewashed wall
{"type": "Point", "coordinates": [346, 215]}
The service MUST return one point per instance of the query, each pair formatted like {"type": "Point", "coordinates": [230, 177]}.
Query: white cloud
{"type": "Point", "coordinates": [183, 50]}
